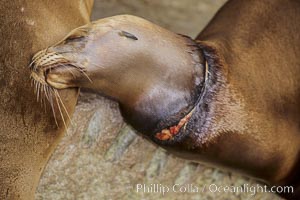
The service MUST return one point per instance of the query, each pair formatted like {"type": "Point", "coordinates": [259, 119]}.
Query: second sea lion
{"type": "Point", "coordinates": [28, 137]}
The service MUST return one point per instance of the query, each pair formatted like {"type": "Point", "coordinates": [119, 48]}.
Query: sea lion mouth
{"type": "Point", "coordinates": [45, 62]}
{"type": "Point", "coordinates": [42, 62]}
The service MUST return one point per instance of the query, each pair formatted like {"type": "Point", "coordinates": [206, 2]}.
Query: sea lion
{"type": "Point", "coordinates": [27, 136]}
{"type": "Point", "coordinates": [230, 97]}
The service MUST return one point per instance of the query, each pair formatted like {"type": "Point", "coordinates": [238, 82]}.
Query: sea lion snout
{"type": "Point", "coordinates": [54, 69]}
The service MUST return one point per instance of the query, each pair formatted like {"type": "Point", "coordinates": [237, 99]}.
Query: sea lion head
{"type": "Point", "coordinates": [98, 49]}
{"type": "Point", "coordinates": [96, 46]}
{"type": "Point", "coordinates": [152, 72]}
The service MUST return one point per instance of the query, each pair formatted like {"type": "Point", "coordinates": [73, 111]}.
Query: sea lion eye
{"type": "Point", "coordinates": [73, 38]}
{"type": "Point", "coordinates": [128, 35]}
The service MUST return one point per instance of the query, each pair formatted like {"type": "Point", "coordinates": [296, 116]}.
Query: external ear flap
{"type": "Point", "coordinates": [128, 35]}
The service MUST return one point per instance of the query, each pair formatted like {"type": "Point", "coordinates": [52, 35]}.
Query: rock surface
{"type": "Point", "coordinates": [102, 158]}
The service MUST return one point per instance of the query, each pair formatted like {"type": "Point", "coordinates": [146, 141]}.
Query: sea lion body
{"type": "Point", "coordinates": [28, 135]}
{"type": "Point", "coordinates": [230, 98]}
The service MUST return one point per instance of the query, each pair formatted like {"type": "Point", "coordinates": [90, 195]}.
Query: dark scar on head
{"type": "Point", "coordinates": [128, 35]}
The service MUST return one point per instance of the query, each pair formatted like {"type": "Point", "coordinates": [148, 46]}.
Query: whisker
{"type": "Point", "coordinates": [66, 67]}
{"type": "Point", "coordinates": [52, 106]}
{"type": "Point", "coordinates": [35, 87]}
{"type": "Point", "coordinates": [31, 81]}
{"type": "Point", "coordinates": [64, 107]}
{"type": "Point", "coordinates": [30, 65]}
{"type": "Point", "coordinates": [96, 65]}
{"type": "Point", "coordinates": [46, 91]}
{"type": "Point", "coordinates": [82, 71]}
{"type": "Point", "coordinates": [38, 91]}
{"type": "Point", "coordinates": [37, 56]}
{"type": "Point", "coordinates": [44, 100]}
{"type": "Point", "coordinates": [58, 105]}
